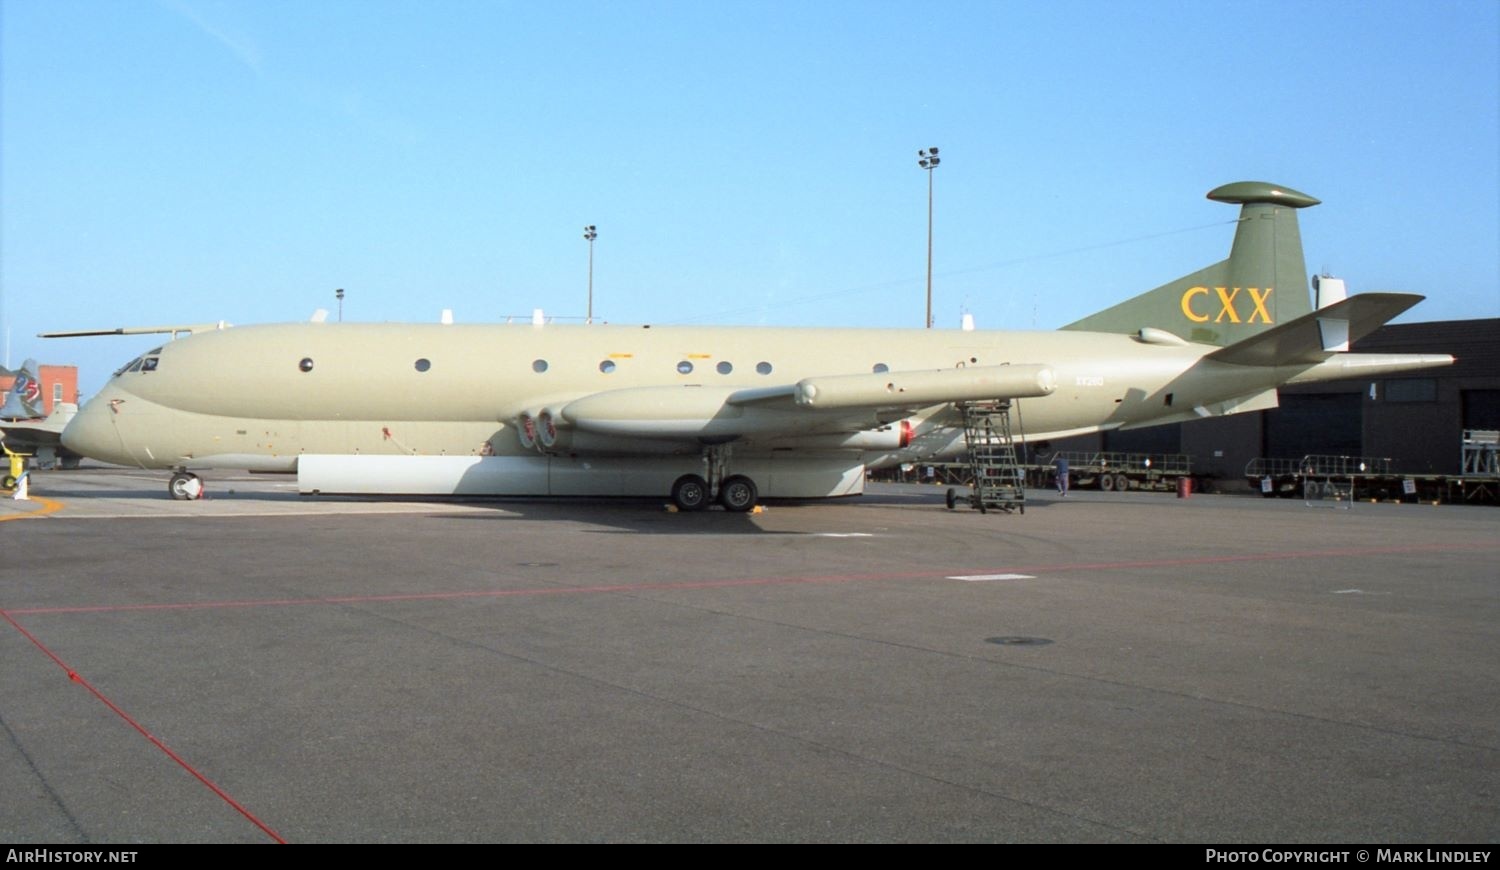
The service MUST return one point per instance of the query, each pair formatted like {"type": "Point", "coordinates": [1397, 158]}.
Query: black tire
{"type": "Point", "coordinates": [1107, 482]}
{"type": "Point", "coordinates": [690, 493]}
{"type": "Point", "coordinates": [952, 498]}
{"type": "Point", "coordinates": [181, 486]}
{"type": "Point", "coordinates": [1122, 483]}
{"type": "Point", "coordinates": [738, 494]}
{"type": "Point", "coordinates": [10, 482]}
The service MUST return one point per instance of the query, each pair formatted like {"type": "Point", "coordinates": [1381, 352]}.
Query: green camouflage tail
{"type": "Point", "coordinates": [1262, 284]}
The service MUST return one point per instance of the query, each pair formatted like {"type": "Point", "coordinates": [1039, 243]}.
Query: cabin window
{"type": "Point", "coordinates": [725, 367]}
{"type": "Point", "coordinates": [135, 364]}
{"type": "Point", "coordinates": [607, 366]}
{"type": "Point", "coordinates": [148, 364]}
{"type": "Point", "coordinates": [539, 365]}
{"type": "Point", "coordinates": [763, 368]}
{"type": "Point", "coordinates": [306, 364]}
{"type": "Point", "coordinates": [880, 368]}
{"type": "Point", "coordinates": [684, 368]}
{"type": "Point", "coordinates": [423, 364]}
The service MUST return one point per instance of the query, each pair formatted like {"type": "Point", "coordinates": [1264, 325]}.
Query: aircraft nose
{"type": "Point", "coordinates": [92, 431]}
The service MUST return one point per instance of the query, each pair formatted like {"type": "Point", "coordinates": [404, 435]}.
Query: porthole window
{"type": "Point", "coordinates": [306, 364]}
{"type": "Point", "coordinates": [725, 367]}
{"type": "Point", "coordinates": [880, 368]}
{"type": "Point", "coordinates": [423, 364]}
{"type": "Point", "coordinates": [539, 365]}
{"type": "Point", "coordinates": [684, 368]}
{"type": "Point", "coordinates": [607, 366]}
{"type": "Point", "coordinates": [763, 368]}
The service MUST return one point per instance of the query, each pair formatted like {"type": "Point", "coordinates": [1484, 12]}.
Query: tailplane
{"type": "Point", "coordinates": [1261, 285]}
{"type": "Point", "coordinates": [1313, 338]}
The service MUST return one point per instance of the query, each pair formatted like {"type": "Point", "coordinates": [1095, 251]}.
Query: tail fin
{"type": "Point", "coordinates": [1262, 284]}
{"type": "Point", "coordinates": [24, 400]}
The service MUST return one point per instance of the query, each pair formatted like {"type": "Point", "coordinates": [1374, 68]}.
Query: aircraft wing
{"type": "Point", "coordinates": [44, 432]}
{"type": "Point", "coordinates": [832, 403]}
{"type": "Point", "coordinates": [25, 435]}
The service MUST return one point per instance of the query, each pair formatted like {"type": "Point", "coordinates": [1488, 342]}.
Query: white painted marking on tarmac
{"type": "Point", "coordinates": [979, 578]}
{"type": "Point", "coordinates": [842, 535]}
{"type": "Point", "coordinates": [1357, 592]}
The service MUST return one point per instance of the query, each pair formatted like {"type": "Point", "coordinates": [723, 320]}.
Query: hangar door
{"type": "Point", "coordinates": [1330, 423]}
{"type": "Point", "coordinates": [1481, 409]}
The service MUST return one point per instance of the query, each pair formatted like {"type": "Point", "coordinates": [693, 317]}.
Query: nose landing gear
{"type": "Point", "coordinates": [185, 486]}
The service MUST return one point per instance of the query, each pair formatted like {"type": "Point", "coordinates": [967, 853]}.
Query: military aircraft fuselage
{"type": "Point", "coordinates": [262, 395]}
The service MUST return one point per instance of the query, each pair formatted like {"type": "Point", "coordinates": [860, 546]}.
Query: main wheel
{"type": "Point", "coordinates": [690, 493]}
{"type": "Point", "coordinates": [185, 487]}
{"type": "Point", "coordinates": [1122, 483]}
{"type": "Point", "coordinates": [1107, 482]}
{"type": "Point", "coordinates": [738, 494]}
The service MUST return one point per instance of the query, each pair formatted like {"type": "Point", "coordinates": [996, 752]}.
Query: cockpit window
{"type": "Point", "coordinates": [146, 362]}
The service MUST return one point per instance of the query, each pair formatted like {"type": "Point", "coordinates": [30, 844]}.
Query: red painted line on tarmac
{"type": "Point", "coordinates": [181, 762]}
{"type": "Point", "coordinates": [816, 579]}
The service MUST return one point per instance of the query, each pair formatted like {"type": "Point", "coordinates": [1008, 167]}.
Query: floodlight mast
{"type": "Point", "coordinates": [927, 158]}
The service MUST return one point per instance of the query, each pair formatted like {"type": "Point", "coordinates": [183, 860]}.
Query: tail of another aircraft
{"type": "Point", "coordinates": [24, 400]}
{"type": "Point", "coordinates": [1261, 285]}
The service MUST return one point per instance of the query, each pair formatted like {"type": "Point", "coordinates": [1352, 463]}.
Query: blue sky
{"type": "Point", "coordinates": [181, 161]}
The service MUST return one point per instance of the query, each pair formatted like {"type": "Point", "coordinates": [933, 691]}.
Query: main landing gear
{"type": "Point", "coordinates": [185, 486]}
{"type": "Point", "coordinates": [737, 493]}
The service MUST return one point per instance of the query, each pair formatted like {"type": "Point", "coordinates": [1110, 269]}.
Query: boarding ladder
{"type": "Point", "coordinates": [996, 471]}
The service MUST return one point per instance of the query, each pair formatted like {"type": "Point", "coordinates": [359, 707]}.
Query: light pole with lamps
{"type": "Point", "coordinates": [927, 158]}
{"type": "Point", "coordinates": [591, 232]}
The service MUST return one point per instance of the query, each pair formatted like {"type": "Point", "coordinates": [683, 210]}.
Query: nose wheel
{"type": "Point", "coordinates": [185, 487]}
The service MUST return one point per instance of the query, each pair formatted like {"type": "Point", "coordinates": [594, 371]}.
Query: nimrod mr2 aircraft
{"type": "Point", "coordinates": [718, 414]}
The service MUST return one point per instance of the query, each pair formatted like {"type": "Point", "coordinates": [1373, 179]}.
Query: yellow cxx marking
{"type": "Point", "coordinates": [1227, 309]}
